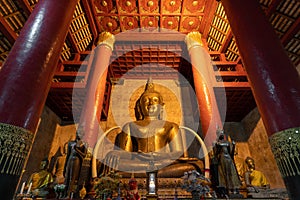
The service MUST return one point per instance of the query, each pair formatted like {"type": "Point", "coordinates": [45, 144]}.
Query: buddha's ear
{"type": "Point", "coordinates": [137, 110]}
{"type": "Point", "coordinates": [161, 114]}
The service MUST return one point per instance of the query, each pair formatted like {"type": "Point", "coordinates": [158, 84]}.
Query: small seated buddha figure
{"type": "Point", "coordinates": [40, 181]}
{"type": "Point", "coordinates": [150, 143]}
{"type": "Point", "coordinates": [258, 186]}
{"type": "Point", "coordinates": [255, 180]}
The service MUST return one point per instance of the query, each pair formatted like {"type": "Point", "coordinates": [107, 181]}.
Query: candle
{"type": "Point", "coordinates": [29, 188]}
{"type": "Point", "coordinates": [22, 188]}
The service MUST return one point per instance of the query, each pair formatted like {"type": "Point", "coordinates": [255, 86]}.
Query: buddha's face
{"type": "Point", "coordinates": [151, 104]}
{"type": "Point", "coordinates": [43, 164]}
{"type": "Point", "coordinates": [251, 164]}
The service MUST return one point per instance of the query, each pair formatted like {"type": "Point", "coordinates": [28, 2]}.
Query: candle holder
{"type": "Point", "coordinates": [24, 196]}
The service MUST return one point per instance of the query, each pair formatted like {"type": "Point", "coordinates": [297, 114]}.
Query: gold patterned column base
{"type": "Point", "coordinates": [15, 143]}
{"type": "Point", "coordinates": [286, 149]}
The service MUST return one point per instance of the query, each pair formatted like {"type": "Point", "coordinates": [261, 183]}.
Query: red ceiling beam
{"type": "Point", "coordinates": [67, 85]}
{"type": "Point", "coordinates": [235, 85]}
{"type": "Point", "coordinates": [209, 13]}
{"type": "Point", "coordinates": [72, 41]}
{"type": "Point", "coordinates": [25, 6]}
{"type": "Point", "coordinates": [7, 31]}
{"type": "Point", "coordinates": [90, 16]}
{"type": "Point", "coordinates": [94, 16]}
{"type": "Point", "coordinates": [231, 73]}
{"type": "Point", "coordinates": [272, 7]}
{"type": "Point", "coordinates": [293, 30]}
{"type": "Point", "coordinates": [226, 42]}
{"type": "Point", "coordinates": [149, 36]}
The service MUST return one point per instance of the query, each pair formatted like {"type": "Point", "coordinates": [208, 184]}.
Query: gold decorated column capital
{"type": "Point", "coordinates": [193, 39]}
{"type": "Point", "coordinates": [106, 38]}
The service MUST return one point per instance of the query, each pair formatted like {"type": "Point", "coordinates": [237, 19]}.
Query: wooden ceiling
{"type": "Point", "coordinates": [92, 17]}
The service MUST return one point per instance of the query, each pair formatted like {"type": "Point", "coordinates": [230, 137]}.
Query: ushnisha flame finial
{"type": "Point", "coordinates": [149, 85]}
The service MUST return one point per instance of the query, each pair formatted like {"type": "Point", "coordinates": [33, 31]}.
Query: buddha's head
{"type": "Point", "coordinates": [44, 164]}
{"type": "Point", "coordinates": [220, 134]}
{"type": "Point", "coordinates": [150, 103]}
{"type": "Point", "coordinates": [250, 163]}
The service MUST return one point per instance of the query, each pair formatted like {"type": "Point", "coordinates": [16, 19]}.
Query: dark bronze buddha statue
{"type": "Point", "coordinates": [150, 143]}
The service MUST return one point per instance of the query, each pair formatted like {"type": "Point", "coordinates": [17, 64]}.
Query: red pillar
{"type": "Point", "coordinates": [275, 84]}
{"type": "Point", "coordinates": [25, 81]}
{"type": "Point", "coordinates": [91, 113]}
{"type": "Point", "coordinates": [202, 73]}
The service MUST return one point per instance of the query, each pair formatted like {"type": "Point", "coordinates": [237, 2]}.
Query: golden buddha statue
{"type": "Point", "coordinates": [240, 166]}
{"type": "Point", "coordinates": [59, 164]}
{"type": "Point", "coordinates": [40, 181]}
{"type": "Point", "coordinates": [258, 186]}
{"type": "Point", "coordinates": [150, 143]}
{"type": "Point", "coordinates": [254, 178]}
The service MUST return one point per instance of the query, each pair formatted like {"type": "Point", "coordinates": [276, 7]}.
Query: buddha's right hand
{"type": "Point", "coordinates": [144, 156]}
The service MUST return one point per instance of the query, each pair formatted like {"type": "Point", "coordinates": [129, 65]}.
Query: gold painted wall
{"type": "Point", "coordinates": [260, 149]}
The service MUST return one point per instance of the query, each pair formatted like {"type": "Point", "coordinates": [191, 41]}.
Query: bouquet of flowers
{"type": "Point", "coordinates": [196, 183]}
{"type": "Point", "coordinates": [106, 185]}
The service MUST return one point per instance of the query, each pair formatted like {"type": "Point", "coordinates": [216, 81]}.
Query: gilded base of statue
{"type": "Point", "coordinates": [167, 188]}
{"type": "Point", "coordinates": [236, 196]}
{"type": "Point", "coordinates": [152, 196]}
{"type": "Point", "coordinates": [23, 197]}
{"type": "Point", "coordinates": [260, 193]}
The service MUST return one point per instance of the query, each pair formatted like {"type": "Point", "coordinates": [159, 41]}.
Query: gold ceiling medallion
{"type": "Point", "coordinates": [129, 23]}
{"type": "Point", "coordinates": [149, 6]}
{"type": "Point", "coordinates": [104, 3]}
{"type": "Point", "coordinates": [172, 3]}
{"type": "Point", "coordinates": [190, 23]}
{"type": "Point", "coordinates": [149, 22]}
{"type": "Point", "coordinates": [170, 22]}
{"type": "Point", "coordinates": [172, 6]}
{"type": "Point", "coordinates": [194, 6]}
{"type": "Point", "coordinates": [110, 24]}
{"type": "Point", "coordinates": [128, 3]}
{"type": "Point", "coordinates": [150, 3]}
{"type": "Point", "coordinates": [128, 6]}
{"type": "Point", "coordinates": [286, 147]}
{"type": "Point", "coordinates": [103, 6]}
{"type": "Point", "coordinates": [15, 145]}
